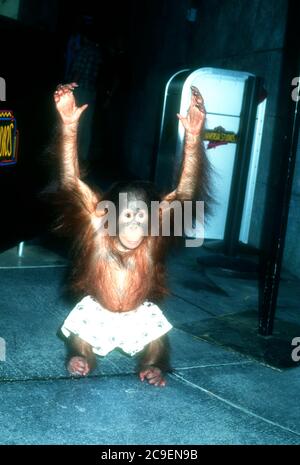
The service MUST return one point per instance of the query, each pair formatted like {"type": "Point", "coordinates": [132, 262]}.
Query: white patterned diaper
{"type": "Point", "coordinates": [105, 330]}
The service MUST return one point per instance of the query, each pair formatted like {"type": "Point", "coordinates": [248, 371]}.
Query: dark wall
{"type": "Point", "coordinates": [159, 42]}
{"type": "Point", "coordinates": [30, 66]}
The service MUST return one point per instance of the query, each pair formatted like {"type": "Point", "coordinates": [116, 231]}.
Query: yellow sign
{"type": "Point", "coordinates": [219, 136]}
{"type": "Point", "coordinates": [8, 138]}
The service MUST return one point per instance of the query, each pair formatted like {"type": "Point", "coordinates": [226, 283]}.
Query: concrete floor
{"type": "Point", "coordinates": [215, 395]}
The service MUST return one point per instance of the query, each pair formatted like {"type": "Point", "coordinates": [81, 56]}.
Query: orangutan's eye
{"type": "Point", "coordinates": [127, 215]}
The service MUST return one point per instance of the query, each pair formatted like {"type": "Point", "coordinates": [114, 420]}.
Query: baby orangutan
{"type": "Point", "coordinates": [119, 274]}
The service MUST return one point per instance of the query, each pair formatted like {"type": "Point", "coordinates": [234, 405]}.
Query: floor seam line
{"type": "Point", "coordinates": [213, 365]}
{"type": "Point", "coordinates": [65, 378]}
{"type": "Point", "coordinates": [233, 405]}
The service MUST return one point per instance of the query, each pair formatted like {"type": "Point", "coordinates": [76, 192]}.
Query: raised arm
{"type": "Point", "coordinates": [193, 182]}
{"type": "Point", "coordinates": [70, 114]}
{"type": "Point", "coordinates": [69, 119]}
